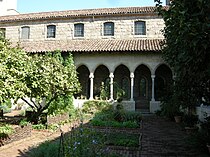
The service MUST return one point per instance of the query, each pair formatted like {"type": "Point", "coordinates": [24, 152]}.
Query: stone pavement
{"type": "Point", "coordinates": [164, 138]}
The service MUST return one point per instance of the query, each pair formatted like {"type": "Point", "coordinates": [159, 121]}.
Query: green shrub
{"type": "Point", "coordinates": [122, 139]}
{"type": "Point", "coordinates": [92, 107]}
{"type": "Point", "coordinates": [112, 123]}
{"type": "Point", "coordinates": [23, 122]}
{"type": "Point", "coordinates": [53, 127]}
{"type": "Point", "coordinates": [62, 104]}
{"type": "Point", "coordinates": [47, 149]}
{"type": "Point", "coordinates": [133, 116]}
{"type": "Point", "coordinates": [39, 126]}
{"type": "Point", "coordinates": [6, 129]}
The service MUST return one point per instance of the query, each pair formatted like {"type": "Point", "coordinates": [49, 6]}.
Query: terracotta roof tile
{"type": "Point", "coordinates": [78, 13]}
{"type": "Point", "coordinates": [102, 45]}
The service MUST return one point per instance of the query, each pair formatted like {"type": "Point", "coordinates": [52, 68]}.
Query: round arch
{"type": "Point", "coordinates": [101, 76]}
{"type": "Point", "coordinates": [83, 76]}
{"type": "Point", "coordinates": [122, 81]}
{"type": "Point", "coordinates": [163, 80]}
{"type": "Point", "coordinates": [142, 87]}
{"type": "Point", "coordinates": [145, 65]}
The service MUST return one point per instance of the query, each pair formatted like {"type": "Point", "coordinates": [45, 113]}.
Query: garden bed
{"type": "Point", "coordinates": [18, 134]}
{"type": "Point", "coordinates": [113, 141]}
{"type": "Point", "coordinates": [114, 129]}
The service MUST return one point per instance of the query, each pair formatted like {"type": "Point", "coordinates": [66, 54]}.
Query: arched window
{"type": "Point", "coordinates": [51, 30]}
{"type": "Point", "coordinates": [79, 30]}
{"type": "Point", "coordinates": [25, 32]}
{"type": "Point", "coordinates": [143, 87]}
{"type": "Point", "coordinates": [140, 28]}
{"type": "Point", "coordinates": [108, 29]}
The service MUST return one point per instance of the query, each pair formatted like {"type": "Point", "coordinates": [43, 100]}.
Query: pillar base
{"type": "Point", "coordinates": [154, 106]}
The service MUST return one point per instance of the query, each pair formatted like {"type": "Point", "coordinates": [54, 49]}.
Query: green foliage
{"type": "Point", "coordinates": [13, 68]}
{"type": "Point", "coordinates": [190, 120]}
{"type": "Point", "coordinates": [6, 129]}
{"type": "Point", "coordinates": [46, 149]}
{"type": "Point", "coordinates": [116, 118]}
{"type": "Point", "coordinates": [23, 122]}
{"type": "Point", "coordinates": [92, 107]}
{"type": "Point", "coordinates": [39, 126]}
{"type": "Point", "coordinates": [53, 127]}
{"type": "Point", "coordinates": [170, 105]}
{"type": "Point", "coordinates": [186, 48]}
{"type": "Point", "coordinates": [41, 77]}
{"type": "Point", "coordinates": [122, 139]}
{"type": "Point", "coordinates": [84, 142]}
{"type": "Point", "coordinates": [61, 105]}
{"type": "Point", "coordinates": [118, 92]}
{"type": "Point", "coordinates": [112, 123]}
{"type": "Point", "coordinates": [104, 91]}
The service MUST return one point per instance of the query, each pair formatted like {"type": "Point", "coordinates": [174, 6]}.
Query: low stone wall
{"type": "Point", "coordinates": [128, 105]}
{"type": "Point", "coordinates": [19, 133]}
{"type": "Point", "coordinates": [57, 118]}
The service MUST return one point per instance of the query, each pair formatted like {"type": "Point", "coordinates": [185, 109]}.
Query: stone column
{"type": "Point", "coordinates": [132, 84]}
{"type": "Point", "coordinates": [91, 85]}
{"type": "Point", "coordinates": [153, 87]}
{"type": "Point", "coordinates": [111, 86]}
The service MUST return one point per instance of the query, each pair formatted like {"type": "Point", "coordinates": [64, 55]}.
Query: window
{"type": "Point", "coordinates": [51, 30]}
{"type": "Point", "coordinates": [25, 32]}
{"type": "Point", "coordinates": [109, 29]}
{"type": "Point", "coordinates": [140, 28]}
{"type": "Point", "coordinates": [79, 30]}
{"type": "Point", "coordinates": [3, 32]}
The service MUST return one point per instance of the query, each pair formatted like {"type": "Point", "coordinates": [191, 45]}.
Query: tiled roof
{"type": "Point", "coordinates": [101, 45]}
{"type": "Point", "coordinates": [78, 13]}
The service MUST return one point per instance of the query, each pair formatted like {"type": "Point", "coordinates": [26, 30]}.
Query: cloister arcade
{"type": "Point", "coordinates": [142, 84]}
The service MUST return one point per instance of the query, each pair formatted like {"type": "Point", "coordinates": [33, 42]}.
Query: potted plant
{"type": "Point", "coordinates": [178, 116]}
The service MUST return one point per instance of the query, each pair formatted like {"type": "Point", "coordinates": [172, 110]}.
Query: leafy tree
{"type": "Point", "coordinates": [50, 78]}
{"type": "Point", "coordinates": [186, 47]}
{"type": "Point", "coordinates": [13, 64]}
{"type": "Point", "coordinates": [43, 78]}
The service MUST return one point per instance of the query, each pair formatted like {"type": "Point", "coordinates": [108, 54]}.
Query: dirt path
{"type": "Point", "coordinates": [17, 148]}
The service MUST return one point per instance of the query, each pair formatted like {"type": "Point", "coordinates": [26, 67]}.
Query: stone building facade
{"type": "Point", "coordinates": [117, 47]}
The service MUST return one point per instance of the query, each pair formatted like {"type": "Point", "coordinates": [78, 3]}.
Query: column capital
{"type": "Point", "coordinates": [132, 75]}
{"type": "Point", "coordinates": [91, 75]}
{"type": "Point", "coordinates": [152, 76]}
{"type": "Point", "coordinates": [111, 75]}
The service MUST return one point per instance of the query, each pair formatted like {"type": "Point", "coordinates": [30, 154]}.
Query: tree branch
{"type": "Point", "coordinates": [33, 103]}
{"type": "Point", "coordinates": [28, 103]}
{"type": "Point", "coordinates": [47, 105]}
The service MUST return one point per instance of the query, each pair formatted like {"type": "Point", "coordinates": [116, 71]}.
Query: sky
{"type": "Point", "coordinates": [30, 6]}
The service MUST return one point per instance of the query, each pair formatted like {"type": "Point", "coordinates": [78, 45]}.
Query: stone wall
{"type": "Point", "coordinates": [127, 105]}
{"type": "Point", "coordinates": [56, 119]}
{"type": "Point", "coordinates": [93, 28]}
